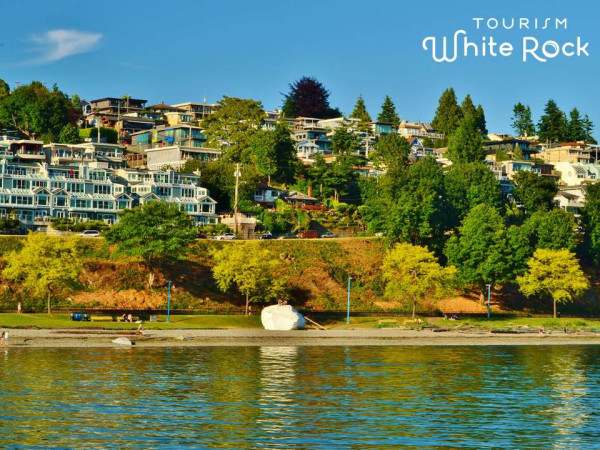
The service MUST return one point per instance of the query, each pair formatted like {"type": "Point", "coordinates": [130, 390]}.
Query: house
{"type": "Point", "coordinates": [95, 154]}
{"type": "Point", "coordinates": [571, 152]}
{"type": "Point", "coordinates": [383, 128]}
{"type": "Point", "coordinates": [175, 156]}
{"type": "Point", "coordinates": [300, 200]}
{"type": "Point", "coordinates": [576, 174]}
{"type": "Point", "coordinates": [571, 199]}
{"type": "Point", "coordinates": [199, 110]}
{"type": "Point", "coordinates": [116, 105]}
{"type": "Point", "coordinates": [515, 149]}
{"type": "Point", "coordinates": [163, 135]}
{"type": "Point", "coordinates": [422, 130]}
{"type": "Point", "coordinates": [266, 196]}
{"type": "Point", "coordinates": [310, 138]}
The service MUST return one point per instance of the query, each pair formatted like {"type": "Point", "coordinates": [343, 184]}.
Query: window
{"type": "Point", "coordinates": [80, 203]}
{"type": "Point", "coordinates": [38, 183]}
{"type": "Point", "coordinates": [21, 200]}
{"type": "Point", "coordinates": [188, 193]}
{"type": "Point", "coordinates": [21, 184]}
{"type": "Point", "coordinates": [101, 189]}
{"type": "Point", "coordinates": [60, 201]}
{"type": "Point", "coordinates": [42, 200]}
{"type": "Point", "coordinates": [58, 185]}
{"type": "Point", "coordinates": [75, 187]}
{"type": "Point", "coordinates": [163, 191]}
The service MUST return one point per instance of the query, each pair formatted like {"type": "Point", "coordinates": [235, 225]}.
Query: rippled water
{"type": "Point", "coordinates": [301, 397]}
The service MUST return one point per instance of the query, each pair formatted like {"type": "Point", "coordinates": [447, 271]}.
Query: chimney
{"type": "Point", "coordinates": [310, 191]}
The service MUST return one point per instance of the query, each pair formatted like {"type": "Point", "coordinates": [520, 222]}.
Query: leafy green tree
{"type": "Point", "coordinates": [388, 112]}
{"type": "Point", "coordinates": [471, 184]}
{"type": "Point", "coordinates": [553, 126]}
{"type": "Point", "coordinates": [34, 110]}
{"type": "Point", "coordinates": [448, 114]}
{"type": "Point", "coordinates": [252, 268]}
{"type": "Point", "coordinates": [155, 232]}
{"type": "Point", "coordinates": [480, 120]}
{"type": "Point", "coordinates": [274, 153]}
{"type": "Point", "coordinates": [554, 229]}
{"type": "Point", "coordinates": [45, 265]}
{"type": "Point", "coordinates": [521, 120]}
{"type": "Point", "coordinates": [109, 135]}
{"type": "Point", "coordinates": [360, 111]}
{"type": "Point", "coordinates": [232, 127]}
{"type": "Point", "coordinates": [465, 143]}
{"type": "Point", "coordinates": [590, 219]}
{"type": "Point", "coordinates": [555, 273]}
{"type": "Point", "coordinates": [4, 89]}
{"type": "Point", "coordinates": [287, 109]}
{"type": "Point", "coordinates": [420, 215]}
{"type": "Point", "coordinates": [481, 251]}
{"type": "Point", "coordinates": [345, 142]}
{"type": "Point", "coordinates": [413, 273]}
{"type": "Point", "coordinates": [391, 152]}
{"type": "Point", "coordinates": [534, 191]}
{"type": "Point", "coordinates": [308, 97]}
{"type": "Point", "coordinates": [69, 134]}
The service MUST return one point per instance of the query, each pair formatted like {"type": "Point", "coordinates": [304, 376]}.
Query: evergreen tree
{"type": "Point", "coordinates": [588, 127]}
{"type": "Point", "coordinates": [360, 111]}
{"type": "Point", "coordinates": [465, 144]}
{"type": "Point", "coordinates": [553, 125]}
{"type": "Point", "coordinates": [576, 127]}
{"type": "Point", "coordinates": [534, 191]}
{"type": "Point", "coordinates": [388, 112]}
{"type": "Point", "coordinates": [521, 120]}
{"type": "Point", "coordinates": [448, 114]}
{"type": "Point", "coordinates": [468, 108]}
{"type": "Point", "coordinates": [69, 134]}
{"type": "Point", "coordinates": [4, 89]}
{"type": "Point", "coordinates": [480, 119]}
{"type": "Point", "coordinates": [309, 98]}
{"type": "Point", "coordinates": [288, 108]}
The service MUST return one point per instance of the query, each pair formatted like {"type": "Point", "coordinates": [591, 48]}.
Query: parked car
{"type": "Point", "coordinates": [265, 236]}
{"type": "Point", "coordinates": [308, 234]}
{"type": "Point", "coordinates": [288, 236]}
{"type": "Point", "coordinates": [90, 233]}
{"type": "Point", "coordinates": [329, 234]}
{"type": "Point", "coordinates": [226, 237]}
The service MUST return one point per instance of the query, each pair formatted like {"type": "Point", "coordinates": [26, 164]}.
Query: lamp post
{"type": "Point", "coordinates": [169, 303]}
{"type": "Point", "coordinates": [489, 286]}
{"type": "Point", "coordinates": [348, 310]}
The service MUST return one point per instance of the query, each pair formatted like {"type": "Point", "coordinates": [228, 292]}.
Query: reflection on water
{"type": "Point", "coordinates": [300, 397]}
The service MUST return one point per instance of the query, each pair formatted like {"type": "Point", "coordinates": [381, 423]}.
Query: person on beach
{"type": "Point", "coordinates": [2, 339]}
{"type": "Point", "coordinates": [19, 309]}
{"type": "Point", "coordinates": [129, 318]}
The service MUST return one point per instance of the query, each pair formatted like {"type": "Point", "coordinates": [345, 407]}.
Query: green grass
{"type": "Point", "coordinates": [520, 323]}
{"type": "Point", "coordinates": [177, 321]}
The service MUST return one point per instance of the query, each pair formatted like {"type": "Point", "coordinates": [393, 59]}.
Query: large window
{"type": "Point", "coordinates": [21, 184]}
{"type": "Point", "coordinates": [101, 189]}
{"type": "Point", "coordinates": [21, 200]}
{"type": "Point", "coordinates": [75, 187]}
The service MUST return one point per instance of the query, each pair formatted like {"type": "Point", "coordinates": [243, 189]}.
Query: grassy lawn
{"type": "Point", "coordinates": [177, 321]}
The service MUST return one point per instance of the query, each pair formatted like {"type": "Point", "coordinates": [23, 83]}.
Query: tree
{"type": "Point", "coordinates": [307, 97]}
{"type": "Point", "coordinates": [232, 127]}
{"type": "Point", "coordinates": [413, 273]}
{"type": "Point", "coordinates": [360, 111]}
{"type": "Point", "coordinates": [45, 265]}
{"type": "Point", "coordinates": [552, 126]}
{"type": "Point", "coordinates": [69, 134]}
{"type": "Point", "coordinates": [388, 112]}
{"type": "Point", "coordinates": [590, 219]}
{"type": "Point", "coordinates": [576, 127]}
{"type": "Point", "coordinates": [448, 114]}
{"type": "Point", "coordinates": [4, 89]}
{"type": "Point", "coordinates": [481, 251]}
{"type": "Point", "coordinates": [391, 151]}
{"type": "Point", "coordinates": [252, 268]}
{"type": "Point", "coordinates": [467, 108]}
{"type": "Point", "coordinates": [554, 229]}
{"type": "Point", "coordinates": [274, 153]}
{"type": "Point", "coordinates": [521, 120]}
{"type": "Point", "coordinates": [468, 185]}
{"type": "Point", "coordinates": [588, 127]}
{"type": "Point", "coordinates": [480, 120]}
{"type": "Point", "coordinates": [155, 232]}
{"type": "Point", "coordinates": [465, 144]}
{"type": "Point", "coordinates": [34, 110]}
{"type": "Point", "coordinates": [345, 142]}
{"type": "Point", "coordinates": [555, 273]}
{"type": "Point", "coordinates": [534, 191]}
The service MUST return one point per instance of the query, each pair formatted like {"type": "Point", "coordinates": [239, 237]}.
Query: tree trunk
{"type": "Point", "coordinates": [555, 309]}
{"type": "Point", "coordinates": [335, 195]}
{"type": "Point", "coordinates": [482, 296]}
{"type": "Point", "coordinates": [50, 310]}
{"type": "Point", "coordinates": [269, 180]}
{"type": "Point", "coordinates": [247, 303]}
{"type": "Point", "coordinates": [151, 279]}
{"type": "Point", "coordinates": [414, 309]}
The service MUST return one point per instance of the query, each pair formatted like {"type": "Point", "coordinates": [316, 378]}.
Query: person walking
{"type": "Point", "coordinates": [19, 308]}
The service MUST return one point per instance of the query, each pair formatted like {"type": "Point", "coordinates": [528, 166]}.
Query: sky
{"type": "Point", "coordinates": [178, 52]}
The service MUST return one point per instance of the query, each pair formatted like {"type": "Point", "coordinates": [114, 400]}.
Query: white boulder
{"type": "Point", "coordinates": [282, 317]}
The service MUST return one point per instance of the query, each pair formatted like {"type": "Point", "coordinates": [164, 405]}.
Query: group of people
{"type": "Point", "coordinates": [4, 339]}
{"type": "Point", "coordinates": [127, 317]}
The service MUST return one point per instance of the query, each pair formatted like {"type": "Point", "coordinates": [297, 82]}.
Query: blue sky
{"type": "Point", "coordinates": [176, 52]}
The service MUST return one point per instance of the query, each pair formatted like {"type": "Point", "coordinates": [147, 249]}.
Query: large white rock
{"type": "Point", "coordinates": [282, 317]}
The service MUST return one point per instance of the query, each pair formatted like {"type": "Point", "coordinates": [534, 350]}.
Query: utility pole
{"type": "Point", "coordinates": [237, 175]}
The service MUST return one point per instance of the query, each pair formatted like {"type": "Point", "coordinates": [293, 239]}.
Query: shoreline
{"type": "Point", "coordinates": [80, 338]}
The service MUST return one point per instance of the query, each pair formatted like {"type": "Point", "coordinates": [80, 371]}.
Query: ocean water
{"type": "Point", "coordinates": [301, 397]}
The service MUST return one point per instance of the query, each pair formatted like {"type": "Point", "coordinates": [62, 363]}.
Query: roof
{"type": "Point", "coordinates": [162, 106]}
{"type": "Point", "coordinates": [119, 98]}
{"type": "Point", "coordinates": [295, 195]}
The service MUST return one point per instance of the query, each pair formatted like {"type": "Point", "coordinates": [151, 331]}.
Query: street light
{"type": "Point", "coordinates": [489, 286]}
{"type": "Point", "coordinates": [169, 303]}
{"type": "Point", "coordinates": [348, 310]}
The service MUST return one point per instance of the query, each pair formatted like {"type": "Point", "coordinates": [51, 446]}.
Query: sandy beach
{"type": "Point", "coordinates": [54, 338]}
